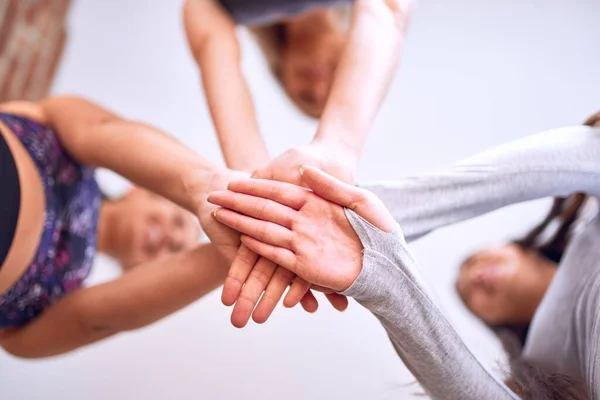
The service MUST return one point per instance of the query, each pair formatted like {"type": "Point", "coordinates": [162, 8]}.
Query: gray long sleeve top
{"type": "Point", "coordinates": [564, 332]}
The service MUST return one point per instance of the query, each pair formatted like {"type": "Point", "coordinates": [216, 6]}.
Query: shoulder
{"type": "Point", "coordinates": [26, 109]}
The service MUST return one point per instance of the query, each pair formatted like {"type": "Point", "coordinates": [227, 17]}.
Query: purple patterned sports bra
{"type": "Point", "coordinates": [68, 243]}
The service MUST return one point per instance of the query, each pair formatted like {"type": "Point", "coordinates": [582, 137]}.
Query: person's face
{"type": "Point", "coordinates": [149, 227]}
{"type": "Point", "coordinates": [504, 285]}
{"type": "Point", "coordinates": [309, 60]}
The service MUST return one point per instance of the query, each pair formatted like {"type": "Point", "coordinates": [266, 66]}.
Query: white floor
{"type": "Point", "coordinates": [474, 74]}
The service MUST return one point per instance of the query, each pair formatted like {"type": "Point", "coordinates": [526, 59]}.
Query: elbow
{"type": "Point", "coordinates": [19, 352]}
{"type": "Point", "coordinates": [91, 327]}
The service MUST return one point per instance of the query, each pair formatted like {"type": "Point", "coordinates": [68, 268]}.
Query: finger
{"type": "Point", "coordinates": [279, 283]}
{"type": "Point", "coordinates": [328, 187]}
{"type": "Point", "coordinates": [252, 206]}
{"type": "Point", "coordinates": [322, 289]}
{"type": "Point", "coordinates": [338, 301]}
{"type": "Point", "coordinates": [279, 255]}
{"type": "Point", "coordinates": [309, 302]}
{"type": "Point", "coordinates": [284, 193]}
{"type": "Point", "coordinates": [243, 263]}
{"type": "Point", "coordinates": [296, 293]}
{"type": "Point", "coordinates": [264, 231]}
{"type": "Point", "coordinates": [363, 202]}
{"type": "Point", "coordinates": [255, 285]}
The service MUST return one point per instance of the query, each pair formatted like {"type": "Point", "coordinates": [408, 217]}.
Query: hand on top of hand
{"type": "Point", "coordinates": [224, 238]}
{"type": "Point", "coordinates": [304, 231]}
{"type": "Point", "coordinates": [251, 276]}
{"type": "Point", "coordinates": [285, 167]}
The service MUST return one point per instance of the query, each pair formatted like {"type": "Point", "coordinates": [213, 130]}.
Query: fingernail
{"type": "Point", "coordinates": [301, 169]}
{"type": "Point", "coordinates": [214, 213]}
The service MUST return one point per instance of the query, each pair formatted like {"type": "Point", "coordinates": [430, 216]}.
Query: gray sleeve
{"type": "Point", "coordinates": [554, 163]}
{"type": "Point", "coordinates": [391, 287]}
{"type": "Point", "coordinates": [587, 331]}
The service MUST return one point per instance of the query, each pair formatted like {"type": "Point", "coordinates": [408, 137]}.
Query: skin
{"type": "Point", "coordinates": [142, 226]}
{"type": "Point", "coordinates": [504, 285]}
{"type": "Point", "coordinates": [304, 231]}
{"type": "Point", "coordinates": [97, 137]}
{"type": "Point", "coordinates": [29, 224]}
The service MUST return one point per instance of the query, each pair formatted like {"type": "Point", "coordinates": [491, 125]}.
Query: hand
{"type": "Point", "coordinates": [225, 239]}
{"type": "Point", "coordinates": [334, 161]}
{"type": "Point", "coordinates": [249, 278]}
{"type": "Point", "coordinates": [305, 232]}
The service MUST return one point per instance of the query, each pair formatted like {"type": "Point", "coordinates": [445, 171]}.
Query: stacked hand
{"type": "Point", "coordinates": [255, 280]}
{"type": "Point", "coordinates": [306, 232]}
{"type": "Point", "coordinates": [226, 239]}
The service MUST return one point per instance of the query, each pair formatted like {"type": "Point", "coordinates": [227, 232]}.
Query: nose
{"type": "Point", "coordinates": [321, 89]}
{"type": "Point", "coordinates": [469, 278]}
{"type": "Point", "coordinates": [182, 232]}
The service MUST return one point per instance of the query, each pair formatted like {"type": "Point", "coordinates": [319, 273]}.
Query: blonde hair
{"type": "Point", "coordinates": [271, 40]}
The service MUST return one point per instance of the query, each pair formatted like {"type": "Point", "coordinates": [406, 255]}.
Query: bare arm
{"type": "Point", "coordinates": [140, 297]}
{"type": "Point", "coordinates": [367, 66]}
{"type": "Point", "coordinates": [212, 39]}
{"type": "Point", "coordinates": [139, 152]}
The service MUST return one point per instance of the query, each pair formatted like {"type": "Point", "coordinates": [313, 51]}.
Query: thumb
{"type": "Point", "coordinates": [328, 187]}
{"type": "Point", "coordinates": [362, 202]}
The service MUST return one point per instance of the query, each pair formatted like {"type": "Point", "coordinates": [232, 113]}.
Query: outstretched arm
{"type": "Point", "coordinates": [212, 39]}
{"type": "Point", "coordinates": [362, 79]}
{"type": "Point", "coordinates": [136, 299]}
{"type": "Point", "coordinates": [143, 154]}
{"type": "Point", "coordinates": [559, 162]}
{"type": "Point", "coordinates": [367, 65]}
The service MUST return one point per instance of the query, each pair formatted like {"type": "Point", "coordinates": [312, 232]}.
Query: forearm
{"type": "Point", "coordinates": [140, 297]}
{"type": "Point", "coordinates": [213, 42]}
{"type": "Point", "coordinates": [392, 288]}
{"type": "Point", "coordinates": [366, 68]}
{"type": "Point", "coordinates": [231, 107]}
{"type": "Point", "coordinates": [554, 163]}
{"type": "Point", "coordinates": [138, 152]}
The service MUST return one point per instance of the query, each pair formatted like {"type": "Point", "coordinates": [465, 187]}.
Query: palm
{"type": "Point", "coordinates": [319, 257]}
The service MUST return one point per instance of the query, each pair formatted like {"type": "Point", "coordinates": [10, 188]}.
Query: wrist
{"type": "Point", "coordinates": [198, 183]}
{"type": "Point", "coordinates": [338, 159]}
{"type": "Point", "coordinates": [340, 144]}
{"type": "Point", "coordinates": [351, 277]}
{"type": "Point", "coordinates": [202, 182]}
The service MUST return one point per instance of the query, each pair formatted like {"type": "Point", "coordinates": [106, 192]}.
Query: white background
{"type": "Point", "coordinates": [474, 74]}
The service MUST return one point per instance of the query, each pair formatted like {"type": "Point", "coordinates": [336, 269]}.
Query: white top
{"type": "Point", "coordinates": [563, 336]}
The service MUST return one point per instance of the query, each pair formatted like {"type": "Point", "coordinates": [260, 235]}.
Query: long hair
{"type": "Point", "coordinates": [526, 379]}
{"type": "Point", "coordinates": [533, 383]}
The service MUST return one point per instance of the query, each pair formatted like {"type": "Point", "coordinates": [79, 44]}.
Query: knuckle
{"type": "Point", "coordinates": [261, 277]}
{"type": "Point", "coordinates": [246, 257]}
{"type": "Point", "coordinates": [292, 241]}
{"type": "Point", "coordinates": [261, 208]}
